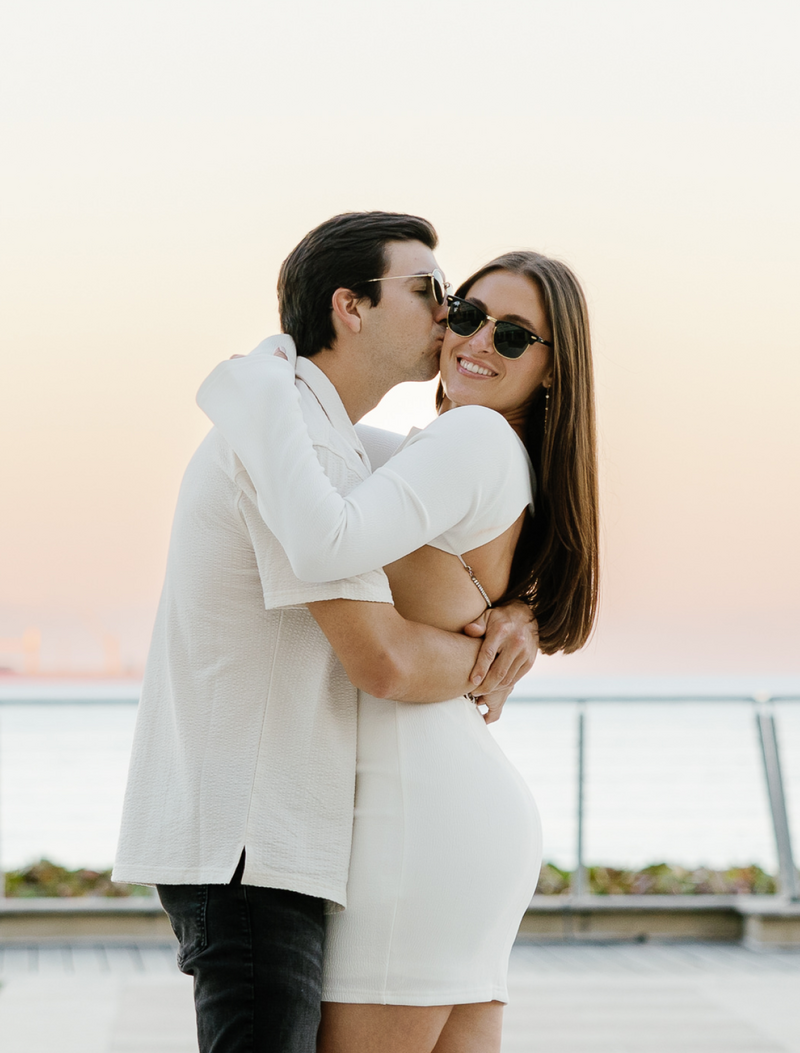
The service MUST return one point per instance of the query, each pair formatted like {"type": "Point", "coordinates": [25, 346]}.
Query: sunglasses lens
{"type": "Point", "coordinates": [437, 281]}
{"type": "Point", "coordinates": [464, 318]}
{"type": "Point", "coordinates": [510, 341]}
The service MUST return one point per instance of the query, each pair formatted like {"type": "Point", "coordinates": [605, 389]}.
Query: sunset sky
{"type": "Point", "coordinates": [162, 158]}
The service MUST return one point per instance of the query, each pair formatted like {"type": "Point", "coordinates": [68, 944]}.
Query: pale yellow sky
{"type": "Point", "coordinates": [164, 157]}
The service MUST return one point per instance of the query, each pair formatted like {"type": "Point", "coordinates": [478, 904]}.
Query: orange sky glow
{"type": "Point", "coordinates": [166, 157]}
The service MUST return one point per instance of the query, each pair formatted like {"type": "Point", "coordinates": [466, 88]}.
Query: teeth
{"type": "Point", "coordinates": [473, 368]}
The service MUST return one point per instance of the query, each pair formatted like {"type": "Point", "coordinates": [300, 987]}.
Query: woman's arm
{"type": "Point", "coordinates": [448, 474]}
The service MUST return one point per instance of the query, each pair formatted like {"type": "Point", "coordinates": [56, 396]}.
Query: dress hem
{"type": "Point", "coordinates": [417, 998]}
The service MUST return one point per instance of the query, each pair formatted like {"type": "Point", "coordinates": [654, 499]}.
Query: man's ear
{"type": "Point", "coordinates": [347, 309]}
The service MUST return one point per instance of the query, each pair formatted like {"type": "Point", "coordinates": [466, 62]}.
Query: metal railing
{"type": "Point", "coordinates": [765, 727]}
{"type": "Point", "coordinates": [767, 731]}
{"type": "Point", "coordinates": [54, 698]}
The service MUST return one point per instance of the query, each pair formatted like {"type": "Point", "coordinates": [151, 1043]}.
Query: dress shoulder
{"type": "Point", "coordinates": [476, 452]}
{"type": "Point", "coordinates": [465, 419]}
{"type": "Point", "coordinates": [480, 436]}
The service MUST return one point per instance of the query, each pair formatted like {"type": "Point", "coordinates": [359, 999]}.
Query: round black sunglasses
{"type": "Point", "coordinates": [510, 340]}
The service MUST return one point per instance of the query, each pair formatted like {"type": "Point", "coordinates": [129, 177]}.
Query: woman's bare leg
{"type": "Point", "coordinates": [475, 1028]}
{"type": "Point", "coordinates": [347, 1028]}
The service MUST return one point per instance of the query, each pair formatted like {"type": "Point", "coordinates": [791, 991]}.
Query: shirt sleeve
{"type": "Point", "coordinates": [379, 444]}
{"type": "Point", "coordinates": [467, 468]}
{"type": "Point", "coordinates": [280, 586]}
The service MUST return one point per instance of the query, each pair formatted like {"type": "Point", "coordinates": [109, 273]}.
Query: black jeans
{"type": "Point", "coordinates": [256, 958]}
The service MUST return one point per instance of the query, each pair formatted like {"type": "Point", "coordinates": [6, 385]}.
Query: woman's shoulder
{"type": "Point", "coordinates": [476, 448]}
{"type": "Point", "coordinates": [480, 455]}
{"type": "Point", "coordinates": [466, 420]}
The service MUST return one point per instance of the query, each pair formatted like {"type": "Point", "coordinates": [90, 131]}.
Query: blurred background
{"type": "Point", "coordinates": [162, 158]}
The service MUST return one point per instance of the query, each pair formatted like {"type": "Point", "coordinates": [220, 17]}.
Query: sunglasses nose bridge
{"type": "Point", "coordinates": [482, 338]}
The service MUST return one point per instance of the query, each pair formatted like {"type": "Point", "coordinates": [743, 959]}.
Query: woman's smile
{"type": "Point", "coordinates": [469, 367]}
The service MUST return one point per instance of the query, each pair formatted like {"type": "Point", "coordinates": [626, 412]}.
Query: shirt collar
{"type": "Point", "coordinates": [330, 401]}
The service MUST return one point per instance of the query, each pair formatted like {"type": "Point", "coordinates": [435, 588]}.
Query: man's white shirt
{"type": "Point", "coordinates": [246, 732]}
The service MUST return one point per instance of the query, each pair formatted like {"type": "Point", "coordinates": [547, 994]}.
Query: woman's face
{"type": "Point", "coordinates": [473, 373]}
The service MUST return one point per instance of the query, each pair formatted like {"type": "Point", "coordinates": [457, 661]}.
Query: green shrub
{"type": "Point", "coordinates": [660, 879]}
{"type": "Point", "coordinates": [48, 879]}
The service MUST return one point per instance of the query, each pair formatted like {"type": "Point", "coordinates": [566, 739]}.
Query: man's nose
{"type": "Point", "coordinates": [440, 312]}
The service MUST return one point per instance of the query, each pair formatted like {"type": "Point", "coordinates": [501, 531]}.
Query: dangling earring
{"type": "Point", "coordinates": [546, 407]}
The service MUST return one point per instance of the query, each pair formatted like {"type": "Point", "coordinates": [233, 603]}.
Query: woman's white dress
{"type": "Point", "coordinates": [446, 837]}
{"type": "Point", "coordinates": [445, 857]}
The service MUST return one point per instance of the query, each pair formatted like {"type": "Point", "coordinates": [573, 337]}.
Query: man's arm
{"type": "Point", "coordinates": [391, 657]}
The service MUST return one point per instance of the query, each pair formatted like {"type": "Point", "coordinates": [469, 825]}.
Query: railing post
{"type": "Point", "coordinates": [768, 736]}
{"type": "Point", "coordinates": [579, 888]}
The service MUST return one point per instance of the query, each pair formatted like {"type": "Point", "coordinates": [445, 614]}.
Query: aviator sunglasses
{"type": "Point", "coordinates": [438, 285]}
{"type": "Point", "coordinates": [510, 340]}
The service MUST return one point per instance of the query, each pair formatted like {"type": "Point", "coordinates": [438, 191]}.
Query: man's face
{"type": "Point", "coordinates": [406, 329]}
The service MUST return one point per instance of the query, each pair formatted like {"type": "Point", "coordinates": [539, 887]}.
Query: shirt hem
{"type": "Point", "coordinates": [143, 875]}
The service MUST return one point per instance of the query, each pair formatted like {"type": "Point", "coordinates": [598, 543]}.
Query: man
{"type": "Point", "coordinates": [240, 794]}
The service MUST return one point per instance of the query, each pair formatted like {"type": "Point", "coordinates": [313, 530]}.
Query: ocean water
{"type": "Point", "coordinates": [678, 781]}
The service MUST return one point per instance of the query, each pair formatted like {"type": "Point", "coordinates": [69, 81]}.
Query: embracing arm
{"type": "Point", "coordinates": [444, 476]}
{"type": "Point", "coordinates": [388, 655]}
{"type": "Point", "coordinates": [391, 657]}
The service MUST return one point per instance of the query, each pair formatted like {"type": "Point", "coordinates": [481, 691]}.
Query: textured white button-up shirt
{"type": "Point", "coordinates": [246, 732]}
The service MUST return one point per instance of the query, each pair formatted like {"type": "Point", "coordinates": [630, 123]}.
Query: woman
{"type": "Point", "coordinates": [446, 842]}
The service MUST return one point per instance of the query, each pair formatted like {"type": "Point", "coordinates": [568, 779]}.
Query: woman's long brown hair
{"type": "Point", "coordinates": [555, 565]}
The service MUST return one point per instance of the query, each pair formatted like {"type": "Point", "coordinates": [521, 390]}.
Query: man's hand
{"type": "Point", "coordinates": [510, 645]}
{"type": "Point", "coordinates": [492, 703]}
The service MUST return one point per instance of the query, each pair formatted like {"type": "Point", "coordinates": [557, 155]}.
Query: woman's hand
{"type": "Point", "coordinates": [510, 645]}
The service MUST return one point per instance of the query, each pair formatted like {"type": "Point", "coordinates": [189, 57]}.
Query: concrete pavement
{"type": "Point", "coordinates": [620, 998]}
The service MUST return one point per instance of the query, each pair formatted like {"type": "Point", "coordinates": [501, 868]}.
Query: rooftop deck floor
{"type": "Point", "coordinates": [619, 998]}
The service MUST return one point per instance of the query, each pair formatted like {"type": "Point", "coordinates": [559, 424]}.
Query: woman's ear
{"type": "Point", "coordinates": [346, 308]}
